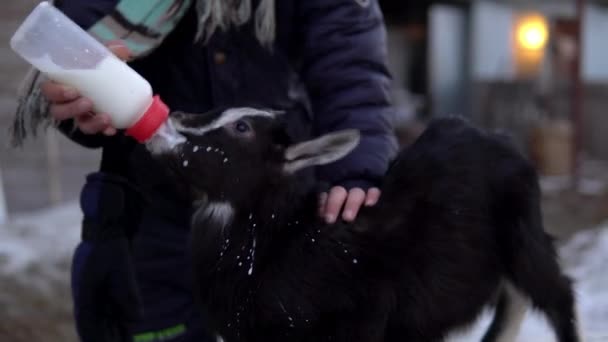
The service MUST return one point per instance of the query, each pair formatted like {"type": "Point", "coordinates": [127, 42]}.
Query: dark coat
{"type": "Point", "coordinates": [327, 70]}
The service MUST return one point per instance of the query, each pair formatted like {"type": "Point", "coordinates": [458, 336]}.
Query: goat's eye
{"type": "Point", "coordinates": [242, 127]}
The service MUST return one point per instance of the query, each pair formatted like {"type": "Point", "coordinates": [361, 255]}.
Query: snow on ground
{"type": "Point", "coordinates": [45, 238]}
{"type": "Point", "coordinates": [35, 253]}
{"type": "Point", "coordinates": [36, 249]}
{"type": "Point", "coordinates": [585, 258]}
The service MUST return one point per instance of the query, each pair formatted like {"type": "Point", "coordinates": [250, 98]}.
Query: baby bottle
{"type": "Point", "coordinates": [67, 54]}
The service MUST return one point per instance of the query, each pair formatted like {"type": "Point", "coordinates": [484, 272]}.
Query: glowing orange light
{"type": "Point", "coordinates": [532, 32]}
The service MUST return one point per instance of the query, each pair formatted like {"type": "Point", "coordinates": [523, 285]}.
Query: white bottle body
{"type": "Point", "coordinates": [113, 87]}
{"type": "Point", "coordinates": [59, 48]}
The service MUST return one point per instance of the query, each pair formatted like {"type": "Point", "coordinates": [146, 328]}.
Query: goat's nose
{"type": "Point", "coordinates": [166, 139]}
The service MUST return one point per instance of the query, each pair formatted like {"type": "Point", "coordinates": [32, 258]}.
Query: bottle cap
{"type": "Point", "coordinates": [149, 123]}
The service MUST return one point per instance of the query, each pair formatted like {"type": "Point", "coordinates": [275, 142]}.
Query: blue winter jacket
{"type": "Point", "coordinates": [327, 70]}
{"type": "Point", "coordinates": [328, 63]}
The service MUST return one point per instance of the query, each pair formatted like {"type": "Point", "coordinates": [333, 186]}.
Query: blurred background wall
{"type": "Point", "coordinates": [508, 65]}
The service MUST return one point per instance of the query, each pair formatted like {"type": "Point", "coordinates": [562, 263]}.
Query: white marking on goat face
{"type": "Point", "coordinates": [228, 116]}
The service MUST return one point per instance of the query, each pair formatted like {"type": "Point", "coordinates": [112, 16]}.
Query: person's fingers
{"type": "Point", "coordinates": [91, 123]}
{"type": "Point", "coordinates": [109, 131]}
{"type": "Point", "coordinates": [372, 197]}
{"type": "Point", "coordinates": [322, 203]}
{"type": "Point", "coordinates": [335, 201]}
{"type": "Point", "coordinates": [354, 200]}
{"type": "Point", "coordinates": [120, 49]}
{"type": "Point", "coordinates": [58, 93]}
{"type": "Point", "coordinates": [68, 110]}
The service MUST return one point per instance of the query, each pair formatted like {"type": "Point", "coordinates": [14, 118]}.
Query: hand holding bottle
{"type": "Point", "coordinates": [91, 83]}
{"type": "Point", "coordinates": [67, 103]}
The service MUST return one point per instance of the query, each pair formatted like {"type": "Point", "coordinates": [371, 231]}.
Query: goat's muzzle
{"type": "Point", "coordinates": [165, 140]}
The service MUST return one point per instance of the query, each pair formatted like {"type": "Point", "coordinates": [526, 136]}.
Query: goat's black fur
{"type": "Point", "coordinates": [458, 219]}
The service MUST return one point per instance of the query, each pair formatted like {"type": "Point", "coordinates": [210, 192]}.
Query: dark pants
{"type": "Point", "coordinates": [164, 276]}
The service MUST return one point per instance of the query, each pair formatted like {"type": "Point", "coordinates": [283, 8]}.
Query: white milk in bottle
{"type": "Point", "coordinates": [112, 87]}
{"type": "Point", "coordinates": [67, 54]}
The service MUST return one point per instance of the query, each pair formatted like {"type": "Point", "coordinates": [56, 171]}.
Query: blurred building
{"type": "Point", "coordinates": [508, 64]}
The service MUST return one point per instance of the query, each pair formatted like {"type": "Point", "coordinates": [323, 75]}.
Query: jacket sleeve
{"type": "Point", "coordinates": [345, 70]}
{"type": "Point", "coordinates": [85, 14]}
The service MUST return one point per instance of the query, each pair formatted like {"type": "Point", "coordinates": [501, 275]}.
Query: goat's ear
{"type": "Point", "coordinates": [320, 151]}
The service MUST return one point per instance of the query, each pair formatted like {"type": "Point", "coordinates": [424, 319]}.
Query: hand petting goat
{"type": "Point", "coordinates": [347, 203]}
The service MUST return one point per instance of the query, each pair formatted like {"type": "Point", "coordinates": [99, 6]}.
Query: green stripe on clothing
{"type": "Point", "coordinates": [136, 11]}
{"type": "Point", "coordinates": [149, 14]}
{"type": "Point", "coordinates": [155, 16]}
{"type": "Point", "coordinates": [161, 335]}
{"type": "Point", "coordinates": [103, 32]}
{"type": "Point", "coordinates": [168, 25]}
{"type": "Point", "coordinates": [137, 48]}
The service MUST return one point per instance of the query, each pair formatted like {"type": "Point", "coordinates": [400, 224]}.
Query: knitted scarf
{"type": "Point", "coordinates": [143, 26]}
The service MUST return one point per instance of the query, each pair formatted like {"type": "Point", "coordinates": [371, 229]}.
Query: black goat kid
{"type": "Point", "coordinates": [458, 227]}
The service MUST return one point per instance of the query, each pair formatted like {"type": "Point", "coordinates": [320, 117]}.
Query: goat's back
{"type": "Point", "coordinates": [448, 203]}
